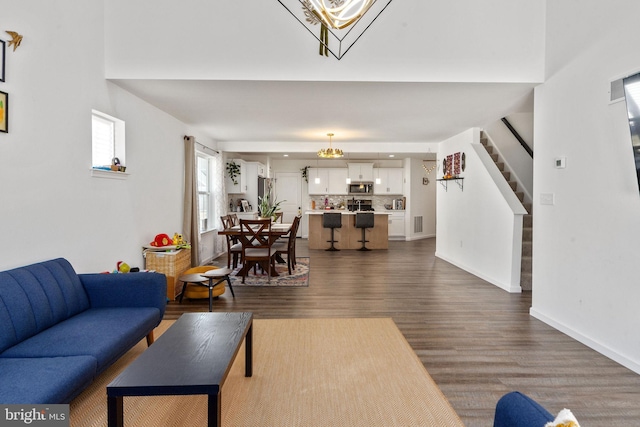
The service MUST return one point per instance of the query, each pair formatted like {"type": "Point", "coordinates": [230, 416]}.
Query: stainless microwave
{"type": "Point", "coordinates": [361, 188]}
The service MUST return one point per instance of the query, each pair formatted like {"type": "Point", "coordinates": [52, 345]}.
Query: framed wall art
{"type": "Point", "coordinates": [3, 49]}
{"type": "Point", "coordinates": [4, 112]}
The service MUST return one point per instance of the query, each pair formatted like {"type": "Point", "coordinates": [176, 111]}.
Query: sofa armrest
{"type": "Point", "coordinates": [126, 290]}
{"type": "Point", "coordinates": [518, 410]}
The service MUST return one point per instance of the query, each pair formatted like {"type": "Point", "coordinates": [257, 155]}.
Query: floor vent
{"type": "Point", "coordinates": [417, 224]}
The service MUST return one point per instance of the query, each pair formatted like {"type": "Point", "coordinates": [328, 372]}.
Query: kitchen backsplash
{"type": "Point", "coordinates": [378, 202]}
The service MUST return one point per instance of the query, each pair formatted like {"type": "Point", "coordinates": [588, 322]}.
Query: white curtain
{"type": "Point", "coordinates": [219, 199]}
{"type": "Point", "coordinates": [190, 222]}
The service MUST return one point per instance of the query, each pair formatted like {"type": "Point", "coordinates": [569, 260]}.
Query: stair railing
{"type": "Point", "coordinates": [518, 137]}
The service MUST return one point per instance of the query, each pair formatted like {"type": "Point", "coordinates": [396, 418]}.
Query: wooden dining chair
{"type": "Point", "coordinates": [256, 239]}
{"type": "Point", "coordinates": [277, 217]}
{"type": "Point", "coordinates": [233, 218]}
{"type": "Point", "coordinates": [234, 248]}
{"type": "Point", "coordinates": [288, 248]}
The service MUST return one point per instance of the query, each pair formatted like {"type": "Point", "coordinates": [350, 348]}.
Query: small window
{"type": "Point", "coordinates": [107, 140]}
{"type": "Point", "coordinates": [205, 196]}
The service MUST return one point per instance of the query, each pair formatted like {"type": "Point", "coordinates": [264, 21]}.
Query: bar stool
{"type": "Point", "coordinates": [332, 220]}
{"type": "Point", "coordinates": [364, 221]}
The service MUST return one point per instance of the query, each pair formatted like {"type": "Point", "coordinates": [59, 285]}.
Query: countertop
{"type": "Point", "coordinates": [346, 212]}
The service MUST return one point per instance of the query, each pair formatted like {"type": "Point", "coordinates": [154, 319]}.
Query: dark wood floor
{"type": "Point", "coordinates": [476, 340]}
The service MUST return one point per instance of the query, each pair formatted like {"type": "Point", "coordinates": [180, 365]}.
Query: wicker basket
{"type": "Point", "coordinates": [171, 264]}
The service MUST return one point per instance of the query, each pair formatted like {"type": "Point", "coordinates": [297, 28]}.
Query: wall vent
{"type": "Point", "coordinates": [616, 92]}
{"type": "Point", "coordinates": [417, 224]}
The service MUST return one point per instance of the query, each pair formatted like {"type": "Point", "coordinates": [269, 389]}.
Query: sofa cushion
{"type": "Point", "coordinates": [37, 296]}
{"type": "Point", "coordinates": [103, 333]}
{"type": "Point", "coordinates": [45, 380]}
{"type": "Point", "coordinates": [519, 410]}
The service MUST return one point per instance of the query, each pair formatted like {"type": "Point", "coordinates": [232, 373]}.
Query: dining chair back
{"type": "Point", "coordinates": [257, 241]}
{"type": "Point", "coordinates": [234, 248]}
{"type": "Point", "coordinates": [289, 248]}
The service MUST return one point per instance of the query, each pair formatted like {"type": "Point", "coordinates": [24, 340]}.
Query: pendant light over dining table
{"type": "Point", "coordinates": [340, 21]}
{"type": "Point", "coordinates": [330, 153]}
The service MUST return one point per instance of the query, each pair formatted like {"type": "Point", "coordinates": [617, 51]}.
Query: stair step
{"type": "Point", "coordinates": [484, 141]}
{"type": "Point", "coordinates": [527, 249]}
{"type": "Point", "coordinates": [528, 207]}
{"type": "Point", "coordinates": [526, 281]}
{"type": "Point", "coordinates": [489, 149]}
{"type": "Point", "coordinates": [507, 175]}
{"type": "Point", "coordinates": [500, 166]}
{"type": "Point", "coordinates": [527, 234]}
{"type": "Point", "coordinates": [520, 195]}
{"type": "Point", "coordinates": [512, 184]}
{"type": "Point", "coordinates": [527, 221]}
{"type": "Point", "coordinates": [526, 264]}
{"type": "Point", "coordinates": [494, 157]}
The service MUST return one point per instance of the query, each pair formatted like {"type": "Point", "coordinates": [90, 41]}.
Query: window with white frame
{"type": "Point", "coordinates": [206, 178]}
{"type": "Point", "coordinates": [107, 140]}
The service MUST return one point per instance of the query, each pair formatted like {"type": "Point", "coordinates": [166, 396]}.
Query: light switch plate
{"type": "Point", "coordinates": [561, 162]}
{"type": "Point", "coordinates": [546, 199]}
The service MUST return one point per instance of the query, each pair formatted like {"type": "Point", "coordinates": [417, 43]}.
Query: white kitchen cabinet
{"type": "Point", "coordinates": [388, 181]}
{"type": "Point", "coordinates": [262, 170]}
{"type": "Point", "coordinates": [338, 181]}
{"type": "Point", "coordinates": [360, 172]}
{"type": "Point", "coordinates": [318, 180]}
{"type": "Point", "coordinates": [240, 184]}
{"type": "Point", "coordinates": [331, 181]}
{"type": "Point", "coordinates": [396, 224]}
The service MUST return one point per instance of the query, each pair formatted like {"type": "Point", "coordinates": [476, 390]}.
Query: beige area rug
{"type": "Point", "coordinates": [306, 372]}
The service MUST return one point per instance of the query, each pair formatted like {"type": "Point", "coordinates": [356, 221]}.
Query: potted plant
{"type": "Point", "coordinates": [305, 173]}
{"type": "Point", "coordinates": [233, 171]}
{"type": "Point", "coordinates": [267, 209]}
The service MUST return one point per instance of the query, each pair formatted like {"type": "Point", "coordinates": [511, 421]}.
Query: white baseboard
{"type": "Point", "coordinates": [633, 365]}
{"type": "Point", "coordinates": [505, 286]}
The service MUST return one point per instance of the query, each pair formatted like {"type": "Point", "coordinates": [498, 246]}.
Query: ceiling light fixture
{"type": "Point", "coordinates": [341, 21]}
{"type": "Point", "coordinates": [330, 153]}
{"type": "Point", "coordinates": [340, 14]}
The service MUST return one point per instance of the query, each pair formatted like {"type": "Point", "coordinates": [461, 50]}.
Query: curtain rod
{"type": "Point", "coordinates": [208, 148]}
{"type": "Point", "coordinates": [202, 145]}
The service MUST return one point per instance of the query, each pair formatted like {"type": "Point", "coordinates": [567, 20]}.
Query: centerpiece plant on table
{"type": "Point", "coordinates": [266, 208]}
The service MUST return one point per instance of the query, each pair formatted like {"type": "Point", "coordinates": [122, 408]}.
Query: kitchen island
{"type": "Point", "coordinates": [348, 237]}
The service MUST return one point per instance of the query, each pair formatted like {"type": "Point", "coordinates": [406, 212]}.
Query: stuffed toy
{"type": "Point", "coordinates": [123, 267]}
{"type": "Point", "coordinates": [564, 419]}
{"type": "Point", "coordinates": [162, 240]}
{"type": "Point", "coordinates": [178, 239]}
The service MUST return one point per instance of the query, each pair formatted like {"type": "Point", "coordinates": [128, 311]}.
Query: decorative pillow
{"type": "Point", "coordinates": [564, 419]}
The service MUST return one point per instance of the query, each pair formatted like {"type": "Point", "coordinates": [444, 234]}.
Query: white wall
{"type": "Point", "coordinates": [476, 227]}
{"type": "Point", "coordinates": [586, 245]}
{"type": "Point", "coordinates": [51, 206]}
{"type": "Point", "coordinates": [421, 199]}
{"type": "Point", "coordinates": [412, 41]}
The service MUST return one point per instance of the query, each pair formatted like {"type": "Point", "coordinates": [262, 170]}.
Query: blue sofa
{"type": "Point", "coordinates": [59, 330]}
{"type": "Point", "coordinates": [519, 410]}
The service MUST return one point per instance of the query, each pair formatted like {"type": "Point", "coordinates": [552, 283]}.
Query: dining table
{"type": "Point", "coordinates": [278, 230]}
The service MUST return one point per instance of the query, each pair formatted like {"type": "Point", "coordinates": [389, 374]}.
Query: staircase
{"type": "Point", "coordinates": [527, 222]}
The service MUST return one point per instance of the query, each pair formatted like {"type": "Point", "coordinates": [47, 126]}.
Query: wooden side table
{"type": "Point", "coordinates": [207, 279]}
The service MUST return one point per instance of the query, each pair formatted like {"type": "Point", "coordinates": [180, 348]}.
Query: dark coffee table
{"type": "Point", "coordinates": [202, 345]}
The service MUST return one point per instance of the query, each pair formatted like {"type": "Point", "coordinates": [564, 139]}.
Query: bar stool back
{"type": "Point", "coordinates": [332, 220]}
{"type": "Point", "coordinates": [364, 221]}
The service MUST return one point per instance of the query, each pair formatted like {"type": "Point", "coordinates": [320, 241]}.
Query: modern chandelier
{"type": "Point", "coordinates": [340, 14]}
{"type": "Point", "coordinates": [330, 153]}
{"type": "Point", "coordinates": [342, 22]}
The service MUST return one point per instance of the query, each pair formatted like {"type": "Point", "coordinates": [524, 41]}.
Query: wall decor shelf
{"type": "Point", "coordinates": [445, 183]}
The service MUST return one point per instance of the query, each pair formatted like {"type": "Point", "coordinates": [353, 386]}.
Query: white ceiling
{"type": "Point", "coordinates": [368, 119]}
